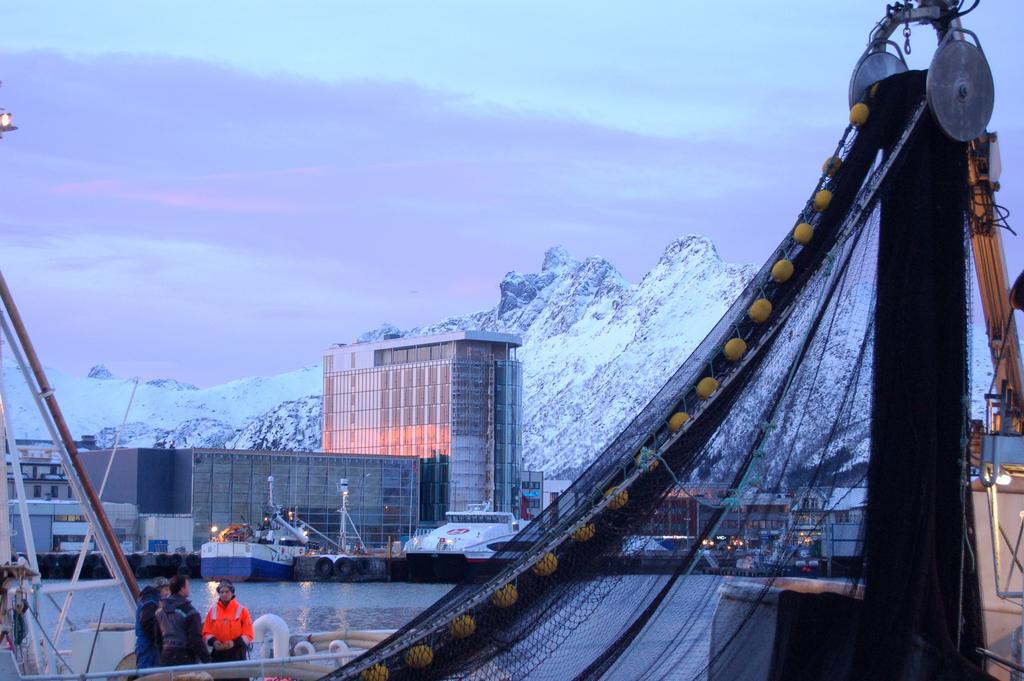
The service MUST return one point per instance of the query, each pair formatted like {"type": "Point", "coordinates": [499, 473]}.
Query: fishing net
{"type": "Point", "coordinates": [667, 558]}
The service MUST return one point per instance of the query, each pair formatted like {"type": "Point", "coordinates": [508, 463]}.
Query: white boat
{"type": "Point", "coordinates": [266, 555]}
{"type": "Point", "coordinates": [457, 549]}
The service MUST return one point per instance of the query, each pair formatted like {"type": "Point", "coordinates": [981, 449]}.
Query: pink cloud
{"type": "Point", "coordinates": [194, 199]}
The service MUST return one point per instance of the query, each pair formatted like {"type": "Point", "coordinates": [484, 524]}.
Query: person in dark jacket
{"type": "Point", "coordinates": [146, 653]}
{"type": "Point", "coordinates": [180, 631]}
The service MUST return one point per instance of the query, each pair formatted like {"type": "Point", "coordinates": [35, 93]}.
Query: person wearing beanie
{"type": "Point", "coordinates": [147, 654]}
{"type": "Point", "coordinates": [228, 626]}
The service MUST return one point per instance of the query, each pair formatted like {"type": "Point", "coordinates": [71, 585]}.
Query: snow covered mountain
{"type": "Point", "coordinates": [162, 411]}
{"type": "Point", "coordinates": [595, 349]}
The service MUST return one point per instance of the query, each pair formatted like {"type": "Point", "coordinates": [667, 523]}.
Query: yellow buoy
{"type": "Point", "coordinates": [676, 421]}
{"type": "Point", "coordinates": [584, 533]}
{"type": "Point", "coordinates": [546, 566]}
{"type": "Point", "coordinates": [734, 349]}
{"type": "Point", "coordinates": [377, 672]}
{"type": "Point", "coordinates": [506, 596]}
{"type": "Point", "coordinates": [651, 462]}
{"type": "Point", "coordinates": [462, 626]}
{"type": "Point", "coordinates": [706, 386]}
{"type": "Point", "coordinates": [619, 500]}
{"type": "Point", "coordinates": [822, 199]}
{"type": "Point", "coordinates": [419, 656]}
{"type": "Point", "coordinates": [760, 311]}
{"type": "Point", "coordinates": [803, 233]}
{"type": "Point", "coordinates": [831, 165]}
{"type": "Point", "coordinates": [782, 271]}
{"type": "Point", "coordinates": [859, 114]}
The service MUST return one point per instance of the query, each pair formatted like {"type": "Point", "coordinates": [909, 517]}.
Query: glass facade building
{"type": "Point", "coordinates": [230, 486]}
{"type": "Point", "coordinates": [453, 400]}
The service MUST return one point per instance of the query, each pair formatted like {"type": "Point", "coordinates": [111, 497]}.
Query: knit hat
{"type": "Point", "coordinates": [160, 583]}
{"type": "Point", "coordinates": [225, 583]}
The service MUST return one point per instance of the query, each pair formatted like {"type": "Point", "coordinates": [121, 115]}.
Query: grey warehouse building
{"type": "Point", "coordinates": [217, 487]}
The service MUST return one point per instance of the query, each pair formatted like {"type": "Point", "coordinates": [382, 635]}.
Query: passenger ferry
{"type": "Point", "coordinates": [456, 550]}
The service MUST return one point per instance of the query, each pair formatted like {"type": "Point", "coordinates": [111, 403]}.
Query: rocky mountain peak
{"type": "Point", "coordinates": [692, 249]}
{"type": "Point", "coordinates": [100, 372]}
{"type": "Point", "coordinates": [557, 258]}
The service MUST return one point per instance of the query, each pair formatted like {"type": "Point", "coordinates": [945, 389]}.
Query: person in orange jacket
{"type": "Point", "coordinates": [228, 626]}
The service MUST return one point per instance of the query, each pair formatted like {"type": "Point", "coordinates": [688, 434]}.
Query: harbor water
{"type": "Point", "coordinates": [304, 606]}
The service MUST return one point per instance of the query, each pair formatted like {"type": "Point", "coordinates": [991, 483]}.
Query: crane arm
{"type": "Point", "coordinates": [983, 170]}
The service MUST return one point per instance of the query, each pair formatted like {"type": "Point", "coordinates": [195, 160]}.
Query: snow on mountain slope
{"type": "Point", "coordinates": [163, 410]}
{"type": "Point", "coordinates": [595, 349]}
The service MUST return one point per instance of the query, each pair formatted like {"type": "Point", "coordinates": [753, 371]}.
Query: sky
{"type": "Point", "coordinates": [210, 191]}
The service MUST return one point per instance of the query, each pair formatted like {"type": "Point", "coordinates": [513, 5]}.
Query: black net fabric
{"type": "Point", "coordinates": [665, 559]}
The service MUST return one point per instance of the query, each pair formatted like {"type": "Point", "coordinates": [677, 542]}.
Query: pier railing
{"type": "Point", "coordinates": [296, 667]}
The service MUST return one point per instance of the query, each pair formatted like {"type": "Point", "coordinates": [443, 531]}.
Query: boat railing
{"type": "Point", "coordinates": [264, 667]}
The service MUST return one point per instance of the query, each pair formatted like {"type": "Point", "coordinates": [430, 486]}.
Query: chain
{"type": "Point", "coordinates": [906, 38]}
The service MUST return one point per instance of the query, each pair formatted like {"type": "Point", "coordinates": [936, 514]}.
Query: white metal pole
{"type": "Point", "coordinates": [5, 507]}
{"type": "Point", "coordinates": [62, 618]}
{"type": "Point", "coordinates": [23, 517]}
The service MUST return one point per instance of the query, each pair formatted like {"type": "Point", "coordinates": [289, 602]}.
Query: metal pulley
{"type": "Point", "coordinates": [960, 90]}
{"type": "Point", "coordinates": [876, 64]}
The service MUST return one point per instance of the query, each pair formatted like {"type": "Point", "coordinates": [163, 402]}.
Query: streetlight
{"type": "Point", "coordinates": [6, 122]}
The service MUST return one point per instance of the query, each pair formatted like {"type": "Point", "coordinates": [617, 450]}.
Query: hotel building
{"type": "Point", "coordinates": [454, 400]}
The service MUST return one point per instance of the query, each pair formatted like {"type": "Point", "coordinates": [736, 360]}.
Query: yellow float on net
{"type": "Point", "coordinates": [859, 114]}
{"type": "Point", "coordinates": [546, 566]}
{"type": "Point", "coordinates": [462, 626]}
{"type": "Point", "coordinates": [651, 463]}
{"type": "Point", "coordinates": [619, 500]}
{"type": "Point", "coordinates": [584, 533]}
{"type": "Point", "coordinates": [377, 672]}
{"type": "Point", "coordinates": [734, 349]}
{"type": "Point", "coordinates": [803, 233]}
{"type": "Point", "coordinates": [706, 386]}
{"type": "Point", "coordinates": [831, 165]}
{"type": "Point", "coordinates": [822, 200]}
{"type": "Point", "coordinates": [506, 596]}
{"type": "Point", "coordinates": [419, 656]}
{"type": "Point", "coordinates": [782, 271]}
{"type": "Point", "coordinates": [760, 310]}
{"type": "Point", "coordinates": [677, 421]}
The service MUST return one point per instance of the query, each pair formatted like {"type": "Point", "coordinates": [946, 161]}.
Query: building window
{"type": "Point", "coordinates": [54, 492]}
{"type": "Point", "coordinates": [37, 491]}
{"type": "Point", "coordinates": [69, 491]}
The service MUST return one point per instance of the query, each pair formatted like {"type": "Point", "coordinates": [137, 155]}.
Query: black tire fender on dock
{"type": "Point", "coordinates": [324, 567]}
{"type": "Point", "coordinates": [343, 567]}
{"type": "Point", "coordinates": [362, 565]}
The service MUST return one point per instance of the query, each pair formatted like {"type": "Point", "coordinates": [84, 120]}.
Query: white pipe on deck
{"type": "Point", "coordinates": [277, 628]}
{"type": "Point", "coordinates": [305, 648]}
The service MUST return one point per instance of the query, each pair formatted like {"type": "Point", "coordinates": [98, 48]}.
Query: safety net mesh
{"type": "Point", "coordinates": [673, 554]}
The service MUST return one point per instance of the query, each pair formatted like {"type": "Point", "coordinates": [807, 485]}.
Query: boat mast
{"type": "Point", "coordinates": [28, 361]}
